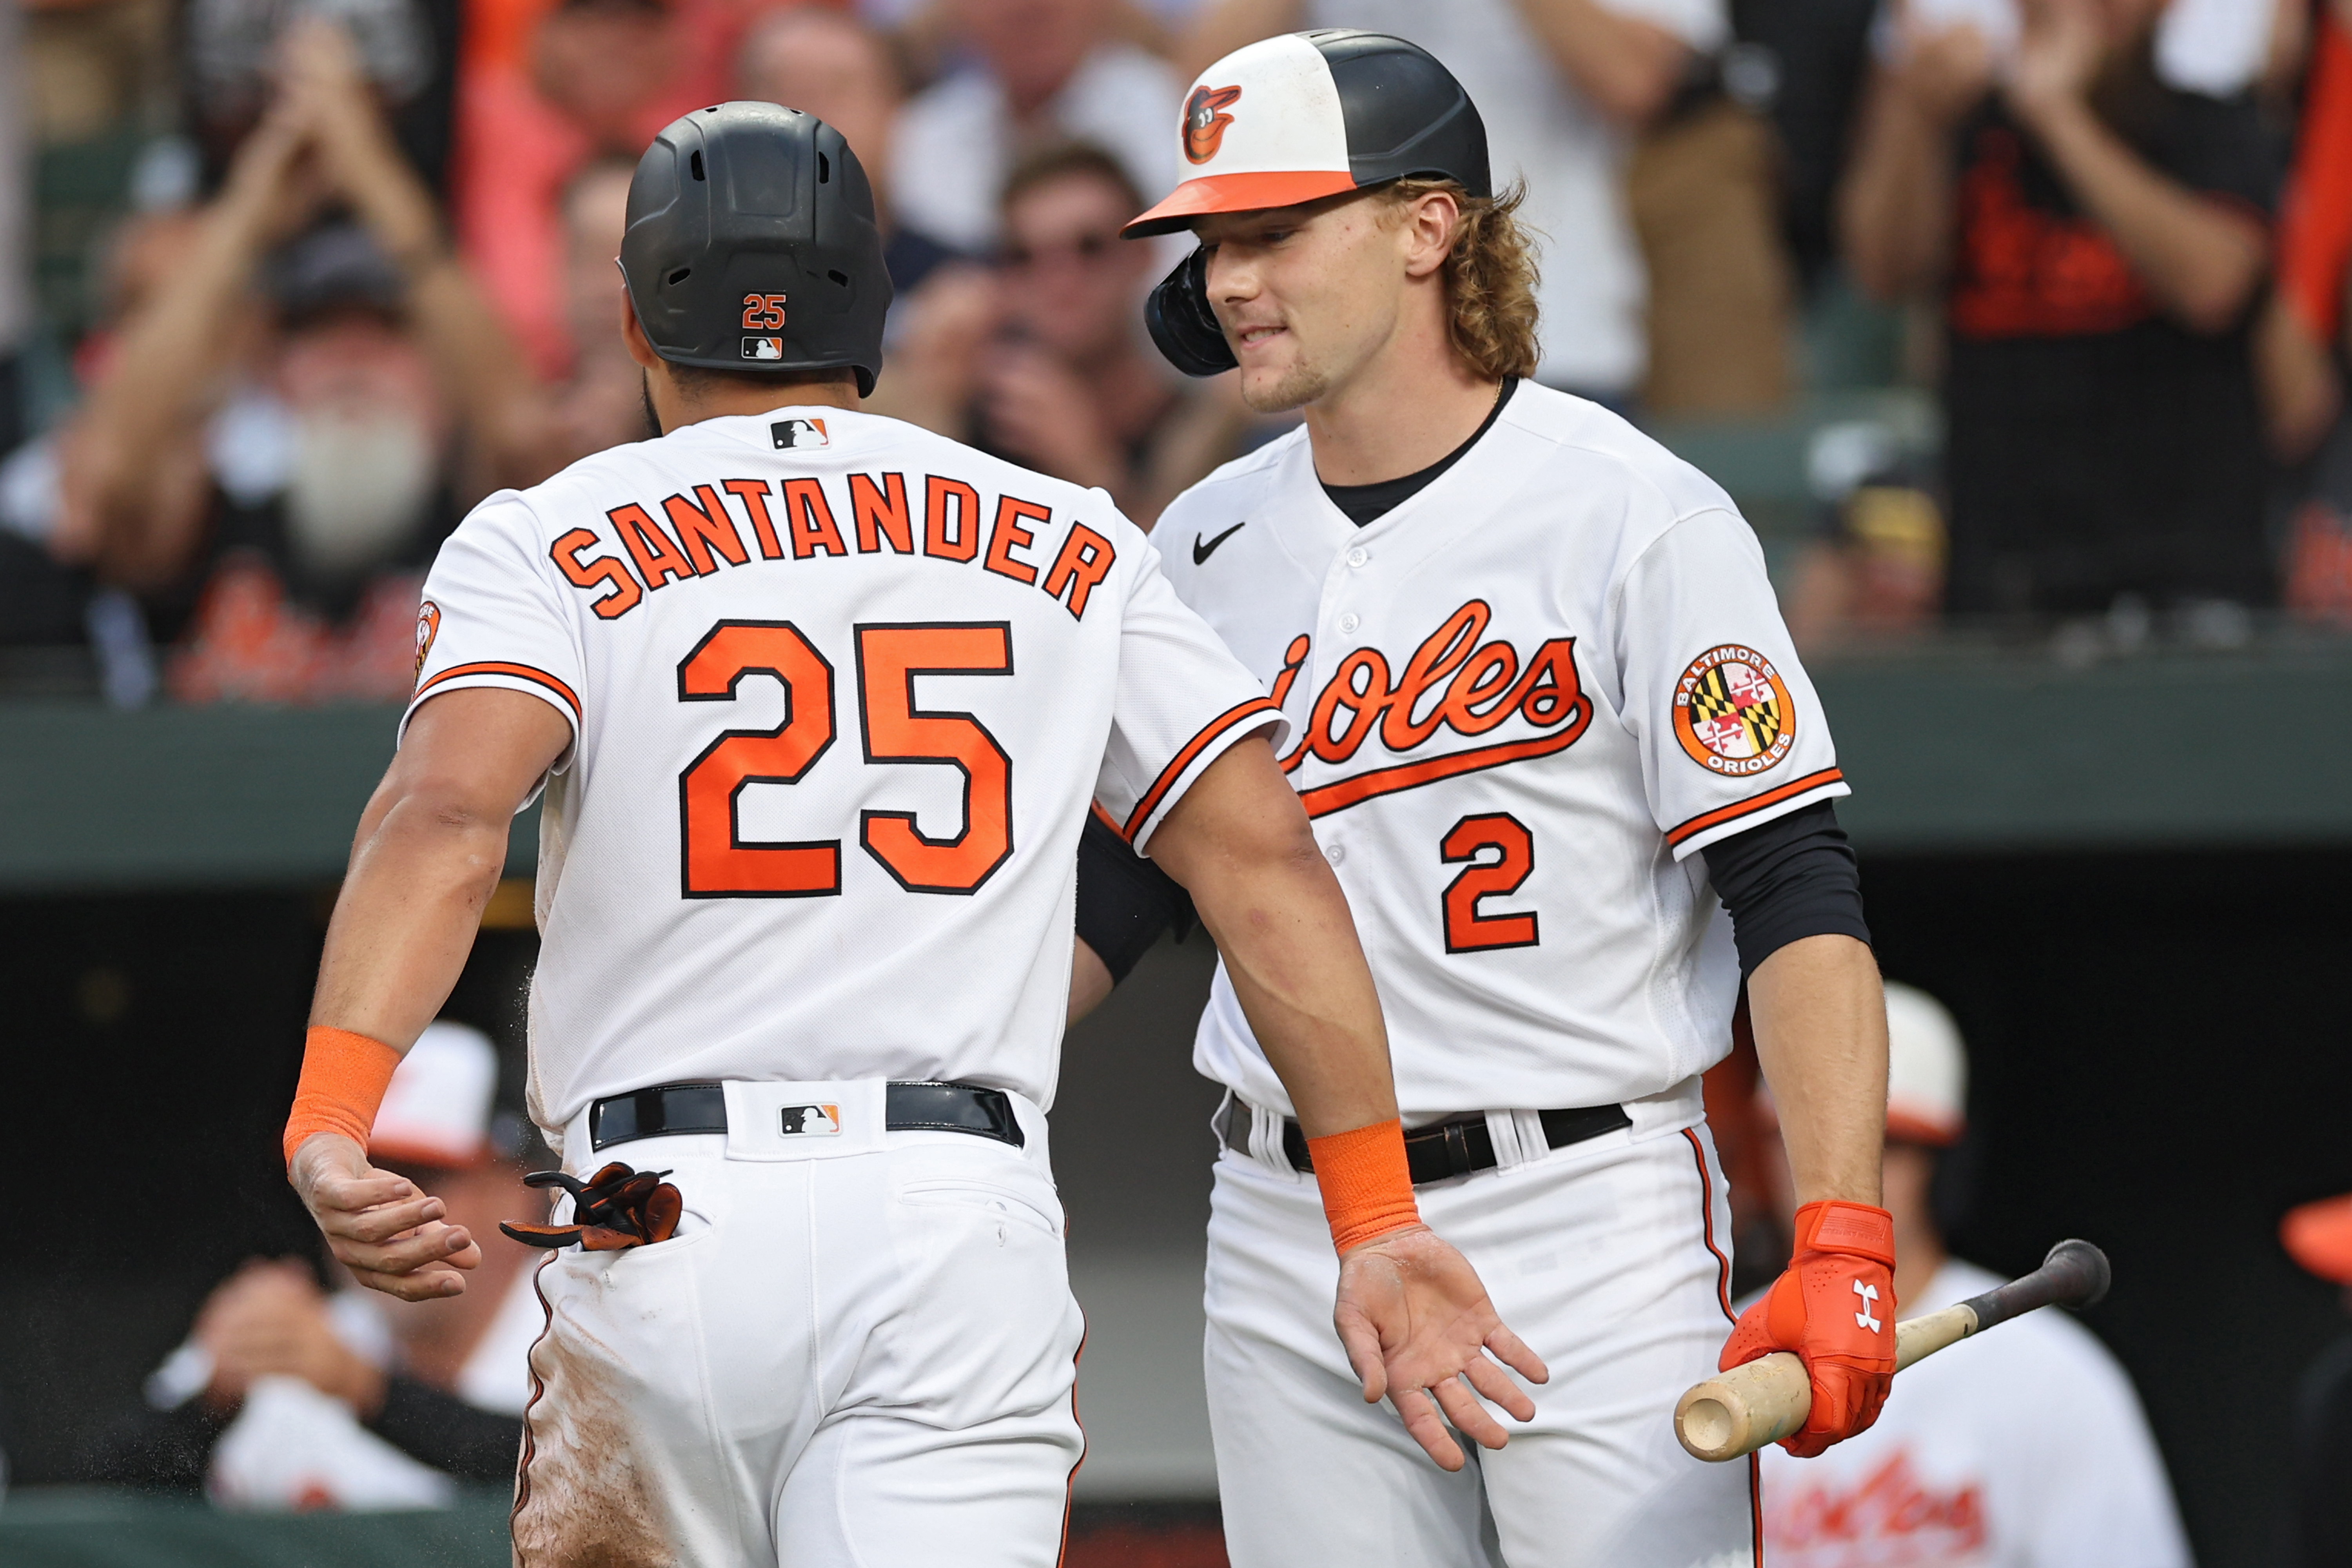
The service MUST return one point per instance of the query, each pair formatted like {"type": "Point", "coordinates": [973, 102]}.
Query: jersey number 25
{"type": "Point", "coordinates": [716, 862]}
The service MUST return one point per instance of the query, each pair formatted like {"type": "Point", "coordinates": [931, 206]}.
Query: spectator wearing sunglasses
{"type": "Point", "coordinates": [1043, 359]}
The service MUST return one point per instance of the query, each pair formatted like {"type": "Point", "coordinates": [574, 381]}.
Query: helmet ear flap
{"type": "Point", "coordinates": [1181, 323]}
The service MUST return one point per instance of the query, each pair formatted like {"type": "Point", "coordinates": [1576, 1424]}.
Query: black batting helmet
{"type": "Point", "coordinates": [1294, 119]}
{"type": "Point", "coordinates": [752, 246]}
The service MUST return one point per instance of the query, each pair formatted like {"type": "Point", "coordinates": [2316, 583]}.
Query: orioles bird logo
{"type": "Point", "coordinates": [1205, 121]}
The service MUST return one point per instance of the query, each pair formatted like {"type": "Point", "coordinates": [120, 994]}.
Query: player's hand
{"type": "Point", "coordinates": [380, 1225]}
{"type": "Point", "coordinates": [1834, 1307]}
{"type": "Point", "coordinates": [270, 1319]}
{"type": "Point", "coordinates": [1418, 1329]}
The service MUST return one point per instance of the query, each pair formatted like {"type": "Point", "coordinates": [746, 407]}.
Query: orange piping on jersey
{"type": "Point", "coordinates": [1723, 1299]}
{"type": "Point", "coordinates": [1256, 707]}
{"type": "Point", "coordinates": [1070, 1487]}
{"type": "Point", "coordinates": [1105, 818]}
{"type": "Point", "coordinates": [498, 666]}
{"type": "Point", "coordinates": [1325, 799]}
{"type": "Point", "coordinates": [1724, 814]}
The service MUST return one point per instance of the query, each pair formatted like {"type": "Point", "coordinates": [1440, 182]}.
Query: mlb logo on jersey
{"type": "Point", "coordinates": [763, 348]}
{"type": "Point", "coordinates": [812, 1122]}
{"type": "Point", "coordinates": [791, 435]}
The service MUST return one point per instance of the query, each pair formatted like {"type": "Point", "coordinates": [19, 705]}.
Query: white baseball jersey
{"type": "Point", "coordinates": [841, 693]}
{"type": "Point", "coordinates": [1519, 702]}
{"type": "Point", "coordinates": [2028, 1450]}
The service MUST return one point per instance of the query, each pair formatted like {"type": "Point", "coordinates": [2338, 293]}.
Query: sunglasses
{"type": "Point", "coordinates": [1085, 247]}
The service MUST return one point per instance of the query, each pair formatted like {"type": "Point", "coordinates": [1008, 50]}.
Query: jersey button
{"type": "Point", "coordinates": [1333, 854]}
{"type": "Point", "coordinates": [1358, 556]}
{"type": "Point", "coordinates": [1348, 622]}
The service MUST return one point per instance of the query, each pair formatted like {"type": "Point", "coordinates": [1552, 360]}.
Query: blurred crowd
{"type": "Point", "coordinates": [286, 286]}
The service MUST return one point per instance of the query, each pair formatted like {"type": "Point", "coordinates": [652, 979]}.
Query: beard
{"type": "Point", "coordinates": [1296, 387]}
{"type": "Point", "coordinates": [646, 392]}
{"type": "Point", "coordinates": [360, 485]}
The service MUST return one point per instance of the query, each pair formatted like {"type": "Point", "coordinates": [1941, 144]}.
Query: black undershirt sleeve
{"type": "Point", "coordinates": [1124, 900]}
{"type": "Point", "coordinates": [1789, 879]}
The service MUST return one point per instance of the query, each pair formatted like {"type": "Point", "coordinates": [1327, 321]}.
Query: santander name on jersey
{"type": "Point", "coordinates": [841, 693]}
{"type": "Point", "coordinates": [1521, 701]}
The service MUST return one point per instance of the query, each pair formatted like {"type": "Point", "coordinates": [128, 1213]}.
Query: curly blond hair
{"type": "Point", "coordinates": [1490, 276]}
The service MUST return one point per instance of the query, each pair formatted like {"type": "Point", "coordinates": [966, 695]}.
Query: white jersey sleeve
{"type": "Point", "coordinates": [1730, 732]}
{"type": "Point", "coordinates": [1182, 700]}
{"type": "Point", "coordinates": [495, 615]}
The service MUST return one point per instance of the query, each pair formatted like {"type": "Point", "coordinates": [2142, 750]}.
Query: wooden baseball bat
{"type": "Point", "coordinates": [1763, 1401]}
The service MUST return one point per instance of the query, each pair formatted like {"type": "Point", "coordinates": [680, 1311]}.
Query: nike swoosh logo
{"type": "Point", "coordinates": [1202, 551]}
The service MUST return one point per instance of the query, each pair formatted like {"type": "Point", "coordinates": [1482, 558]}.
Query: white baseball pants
{"type": "Point", "coordinates": [859, 1352]}
{"type": "Point", "coordinates": [1611, 1258]}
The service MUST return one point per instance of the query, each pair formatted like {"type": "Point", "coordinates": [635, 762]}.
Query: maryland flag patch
{"type": "Point", "coordinates": [428, 627]}
{"type": "Point", "coordinates": [1732, 713]}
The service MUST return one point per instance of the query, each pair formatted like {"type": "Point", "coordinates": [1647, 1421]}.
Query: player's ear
{"type": "Point", "coordinates": [1430, 223]}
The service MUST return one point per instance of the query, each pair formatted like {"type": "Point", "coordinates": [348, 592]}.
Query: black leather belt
{"type": "Point", "coordinates": [676, 1108]}
{"type": "Point", "coordinates": [1454, 1147]}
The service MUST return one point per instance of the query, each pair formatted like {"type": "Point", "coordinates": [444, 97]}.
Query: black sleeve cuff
{"type": "Point", "coordinates": [1786, 880]}
{"type": "Point", "coordinates": [444, 1432]}
{"type": "Point", "coordinates": [1124, 900]}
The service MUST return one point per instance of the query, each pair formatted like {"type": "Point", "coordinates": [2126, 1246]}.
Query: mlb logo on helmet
{"type": "Point", "coordinates": [791, 434]}
{"type": "Point", "coordinates": [763, 348]}
{"type": "Point", "coordinates": [812, 1122]}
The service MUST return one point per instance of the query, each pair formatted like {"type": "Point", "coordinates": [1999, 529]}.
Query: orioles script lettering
{"type": "Point", "coordinates": [1452, 683]}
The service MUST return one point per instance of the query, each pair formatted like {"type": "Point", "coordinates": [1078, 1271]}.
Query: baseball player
{"type": "Point", "coordinates": [819, 703]}
{"type": "Point", "coordinates": [1547, 726]}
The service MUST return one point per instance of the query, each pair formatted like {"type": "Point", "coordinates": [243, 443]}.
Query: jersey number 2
{"type": "Point", "coordinates": [716, 861]}
{"type": "Point", "coordinates": [1467, 931]}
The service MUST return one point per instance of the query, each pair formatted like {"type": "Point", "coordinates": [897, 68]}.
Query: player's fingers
{"type": "Point", "coordinates": [433, 1245]}
{"type": "Point", "coordinates": [424, 1285]}
{"type": "Point", "coordinates": [1471, 1419]}
{"type": "Point", "coordinates": [362, 1191]}
{"type": "Point", "coordinates": [1422, 1424]}
{"type": "Point", "coordinates": [379, 1225]}
{"type": "Point", "coordinates": [1495, 1384]}
{"type": "Point", "coordinates": [1517, 1354]}
{"type": "Point", "coordinates": [1362, 1343]}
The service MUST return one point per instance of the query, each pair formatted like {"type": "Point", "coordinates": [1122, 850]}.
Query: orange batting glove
{"type": "Point", "coordinates": [1834, 1307]}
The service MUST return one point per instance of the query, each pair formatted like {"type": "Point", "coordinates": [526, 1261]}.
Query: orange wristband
{"type": "Point", "coordinates": [1367, 1187]}
{"type": "Point", "coordinates": [344, 1079]}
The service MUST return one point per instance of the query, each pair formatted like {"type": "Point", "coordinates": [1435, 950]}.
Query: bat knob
{"type": "Point", "coordinates": [2084, 1271]}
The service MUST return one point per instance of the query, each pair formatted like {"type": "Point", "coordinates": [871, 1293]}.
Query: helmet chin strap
{"type": "Point", "coordinates": [1182, 325]}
